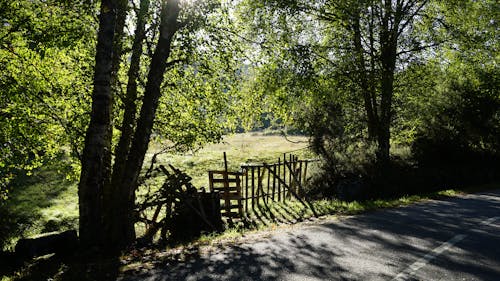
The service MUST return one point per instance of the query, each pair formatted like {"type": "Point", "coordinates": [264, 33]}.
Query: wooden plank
{"type": "Point", "coordinates": [211, 180]}
{"type": "Point", "coordinates": [274, 182]}
{"type": "Point", "coordinates": [234, 206]}
{"type": "Point", "coordinates": [278, 177]}
{"type": "Point", "coordinates": [259, 184]}
{"type": "Point", "coordinates": [284, 177]}
{"type": "Point", "coordinates": [240, 203]}
{"type": "Point", "coordinates": [225, 180]}
{"type": "Point", "coordinates": [230, 196]}
{"type": "Point", "coordinates": [308, 205]}
{"type": "Point", "coordinates": [301, 191]}
{"type": "Point", "coordinates": [246, 191]}
{"type": "Point", "coordinates": [225, 173]}
{"type": "Point", "coordinates": [262, 194]}
{"type": "Point", "coordinates": [230, 189]}
{"type": "Point", "coordinates": [226, 191]}
{"type": "Point", "coordinates": [225, 162]}
{"type": "Point", "coordinates": [290, 178]}
{"type": "Point", "coordinates": [305, 171]}
{"type": "Point", "coordinates": [230, 214]}
{"type": "Point", "coordinates": [253, 188]}
{"type": "Point", "coordinates": [268, 186]}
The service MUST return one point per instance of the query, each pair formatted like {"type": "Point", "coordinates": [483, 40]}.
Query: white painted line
{"type": "Point", "coordinates": [489, 221]}
{"type": "Point", "coordinates": [413, 268]}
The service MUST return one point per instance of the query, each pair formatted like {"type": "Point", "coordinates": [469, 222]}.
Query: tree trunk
{"type": "Point", "coordinates": [96, 158]}
{"type": "Point", "coordinates": [121, 16]}
{"type": "Point", "coordinates": [128, 124]}
{"type": "Point", "coordinates": [116, 204]}
{"type": "Point", "coordinates": [388, 38]}
{"type": "Point", "coordinates": [123, 228]}
{"type": "Point", "coordinates": [366, 88]}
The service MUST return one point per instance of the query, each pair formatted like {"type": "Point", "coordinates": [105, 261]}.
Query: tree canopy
{"type": "Point", "coordinates": [97, 81]}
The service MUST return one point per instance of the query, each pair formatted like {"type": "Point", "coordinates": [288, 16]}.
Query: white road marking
{"type": "Point", "coordinates": [489, 221]}
{"type": "Point", "coordinates": [413, 268]}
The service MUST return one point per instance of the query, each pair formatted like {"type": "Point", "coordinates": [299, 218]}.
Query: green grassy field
{"type": "Point", "coordinates": [42, 202]}
{"type": "Point", "coordinates": [46, 201]}
{"type": "Point", "coordinates": [239, 148]}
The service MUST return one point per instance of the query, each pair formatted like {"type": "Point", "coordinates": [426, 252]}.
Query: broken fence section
{"type": "Point", "coordinates": [278, 182]}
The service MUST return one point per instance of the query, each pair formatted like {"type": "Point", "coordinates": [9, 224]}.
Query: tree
{"type": "Point", "coordinates": [106, 207]}
{"type": "Point", "coordinates": [179, 42]}
{"type": "Point", "coordinates": [96, 158]}
{"type": "Point", "coordinates": [367, 42]}
{"type": "Point", "coordinates": [44, 74]}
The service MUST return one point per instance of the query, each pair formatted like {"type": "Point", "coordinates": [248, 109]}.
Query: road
{"type": "Point", "coordinates": [449, 239]}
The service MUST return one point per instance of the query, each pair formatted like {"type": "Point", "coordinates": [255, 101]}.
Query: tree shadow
{"type": "Point", "coordinates": [54, 267]}
{"type": "Point", "coordinates": [372, 246]}
{"type": "Point", "coordinates": [255, 262]}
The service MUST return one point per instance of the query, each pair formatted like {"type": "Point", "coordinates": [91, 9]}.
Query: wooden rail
{"type": "Point", "coordinates": [256, 183]}
{"type": "Point", "coordinates": [279, 182]}
{"type": "Point", "coordinates": [228, 184]}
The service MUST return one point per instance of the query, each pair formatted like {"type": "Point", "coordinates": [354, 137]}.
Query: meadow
{"type": "Point", "coordinates": [47, 200]}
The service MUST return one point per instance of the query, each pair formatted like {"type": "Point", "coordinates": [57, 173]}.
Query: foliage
{"type": "Point", "coordinates": [327, 68]}
{"type": "Point", "coordinates": [44, 66]}
{"type": "Point", "coordinates": [459, 135]}
{"type": "Point", "coordinates": [197, 102]}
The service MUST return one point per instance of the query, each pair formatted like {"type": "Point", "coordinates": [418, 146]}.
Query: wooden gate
{"type": "Point", "coordinates": [228, 184]}
{"type": "Point", "coordinates": [242, 191]}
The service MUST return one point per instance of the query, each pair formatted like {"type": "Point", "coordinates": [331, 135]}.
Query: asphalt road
{"type": "Point", "coordinates": [452, 239]}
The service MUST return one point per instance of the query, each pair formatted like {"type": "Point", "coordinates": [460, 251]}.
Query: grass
{"type": "Point", "coordinates": [240, 149]}
{"type": "Point", "coordinates": [47, 201]}
{"type": "Point", "coordinates": [277, 214]}
{"type": "Point", "coordinates": [43, 202]}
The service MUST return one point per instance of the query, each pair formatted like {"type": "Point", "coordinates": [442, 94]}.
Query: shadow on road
{"type": "Point", "coordinates": [373, 246]}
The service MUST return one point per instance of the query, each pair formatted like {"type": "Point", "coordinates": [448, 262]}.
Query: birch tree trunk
{"type": "Point", "coordinates": [96, 158]}
{"type": "Point", "coordinates": [121, 227]}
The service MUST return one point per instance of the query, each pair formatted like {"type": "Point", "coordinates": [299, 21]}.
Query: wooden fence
{"type": "Point", "coordinates": [255, 183]}
{"type": "Point", "coordinates": [228, 184]}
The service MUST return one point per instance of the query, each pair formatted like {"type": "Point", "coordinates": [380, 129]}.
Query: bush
{"type": "Point", "coordinates": [458, 142]}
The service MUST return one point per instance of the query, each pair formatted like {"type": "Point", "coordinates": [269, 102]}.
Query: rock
{"type": "Point", "coordinates": [62, 243]}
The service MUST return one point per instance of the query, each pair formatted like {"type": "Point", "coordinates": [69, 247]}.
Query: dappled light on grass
{"type": "Point", "coordinates": [43, 202]}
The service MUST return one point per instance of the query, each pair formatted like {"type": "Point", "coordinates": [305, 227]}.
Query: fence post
{"type": "Point", "coordinates": [279, 176]}
{"type": "Point", "coordinates": [211, 181]}
{"type": "Point", "coordinates": [284, 177]}
{"type": "Point", "coordinates": [253, 188]}
{"type": "Point", "coordinates": [301, 191]}
{"type": "Point", "coordinates": [305, 171]}
{"type": "Point", "coordinates": [245, 174]}
{"type": "Point", "coordinates": [259, 185]}
{"type": "Point", "coordinates": [274, 182]}
{"type": "Point", "coordinates": [268, 185]}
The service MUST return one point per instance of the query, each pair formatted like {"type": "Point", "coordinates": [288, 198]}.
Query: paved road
{"type": "Point", "coordinates": [452, 239]}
